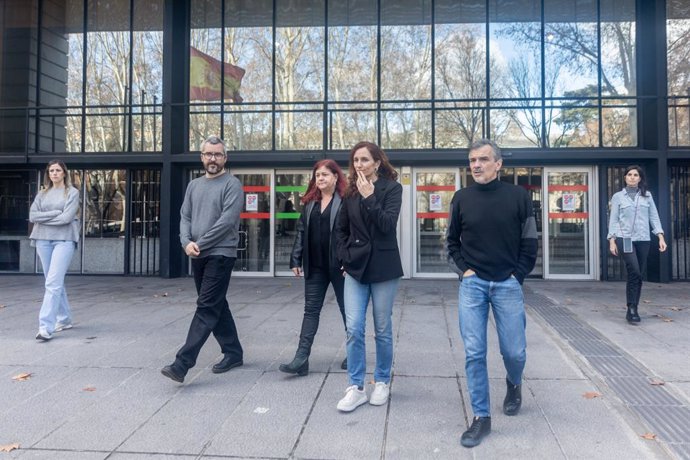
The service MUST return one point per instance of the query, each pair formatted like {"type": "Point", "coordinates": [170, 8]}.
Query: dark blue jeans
{"type": "Point", "coordinates": [211, 277]}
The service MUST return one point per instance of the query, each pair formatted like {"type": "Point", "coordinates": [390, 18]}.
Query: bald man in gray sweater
{"type": "Point", "coordinates": [209, 232]}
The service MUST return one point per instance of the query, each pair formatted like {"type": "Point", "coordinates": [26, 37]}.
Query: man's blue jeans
{"type": "Point", "coordinates": [356, 300]}
{"type": "Point", "coordinates": [508, 306]}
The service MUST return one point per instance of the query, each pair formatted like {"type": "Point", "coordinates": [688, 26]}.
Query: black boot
{"type": "Point", "coordinates": [632, 316]}
{"type": "Point", "coordinates": [481, 426]}
{"type": "Point", "coordinates": [513, 399]}
{"type": "Point", "coordinates": [299, 366]}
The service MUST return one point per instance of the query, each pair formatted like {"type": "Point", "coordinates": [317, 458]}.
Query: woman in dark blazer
{"type": "Point", "coordinates": [314, 255]}
{"type": "Point", "coordinates": [368, 251]}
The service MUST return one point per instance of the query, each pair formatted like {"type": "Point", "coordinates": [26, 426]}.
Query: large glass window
{"type": "Point", "coordinates": [299, 74]}
{"type": "Point", "coordinates": [352, 73]}
{"type": "Point", "coordinates": [102, 75]}
{"type": "Point", "coordinates": [570, 61]}
{"type": "Point", "coordinates": [516, 84]}
{"type": "Point", "coordinates": [460, 72]}
{"type": "Point", "coordinates": [618, 73]}
{"type": "Point", "coordinates": [678, 65]}
{"type": "Point", "coordinates": [107, 76]}
{"type": "Point", "coordinates": [147, 75]}
{"type": "Point", "coordinates": [248, 47]}
{"type": "Point", "coordinates": [406, 74]}
{"type": "Point", "coordinates": [104, 220]}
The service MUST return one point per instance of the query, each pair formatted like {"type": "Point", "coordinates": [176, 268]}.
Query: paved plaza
{"type": "Point", "coordinates": [595, 387]}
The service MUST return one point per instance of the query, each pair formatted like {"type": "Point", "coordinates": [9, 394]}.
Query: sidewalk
{"type": "Point", "coordinates": [96, 391]}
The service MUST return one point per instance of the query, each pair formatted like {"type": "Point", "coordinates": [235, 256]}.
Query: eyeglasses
{"type": "Point", "coordinates": [214, 155]}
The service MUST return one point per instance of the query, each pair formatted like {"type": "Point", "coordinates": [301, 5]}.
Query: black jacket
{"type": "Point", "coordinates": [300, 248]}
{"type": "Point", "coordinates": [366, 234]}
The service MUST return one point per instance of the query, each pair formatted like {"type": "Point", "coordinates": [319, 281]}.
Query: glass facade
{"type": "Point", "coordinates": [279, 75]}
{"type": "Point", "coordinates": [126, 90]}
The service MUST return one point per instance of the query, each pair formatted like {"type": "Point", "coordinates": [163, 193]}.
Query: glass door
{"type": "Point", "coordinates": [289, 189]}
{"type": "Point", "coordinates": [568, 238]}
{"type": "Point", "coordinates": [433, 191]}
{"type": "Point", "coordinates": [254, 248]}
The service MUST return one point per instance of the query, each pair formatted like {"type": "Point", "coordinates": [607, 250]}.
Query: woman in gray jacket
{"type": "Point", "coordinates": [55, 236]}
{"type": "Point", "coordinates": [632, 213]}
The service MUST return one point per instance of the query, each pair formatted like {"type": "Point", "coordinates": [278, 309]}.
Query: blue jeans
{"type": "Point", "coordinates": [55, 258]}
{"type": "Point", "coordinates": [356, 301]}
{"type": "Point", "coordinates": [508, 306]}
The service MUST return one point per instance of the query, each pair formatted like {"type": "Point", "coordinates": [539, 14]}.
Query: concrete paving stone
{"type": "Point", "coordinates": [273, 412]}
{"type": "Point", "coordinates": [426, 419]}
{"type": "Point", "coordinates": [586, 428]}
{"type": "Point", "coordinates": [330, 434]}
{"type": "Point", "coordinates": [118, 415]}
{"type": "Point", "coordinates": [13, 393]}
{"type": "Point", "coordinates": [517, 437]}
{"type": "Point", "coordinates": [66, 398]}
{"type": "Point", "coordinates": [47, 454]}
{"type": "Point", "coordinates": [417, 363]}
{"type": "Point", "coordinates": [149, 456]}
{"type": "Point", "coordinates": [187, 422]}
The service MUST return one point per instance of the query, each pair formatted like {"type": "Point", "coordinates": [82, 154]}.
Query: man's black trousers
{"type": "Point", "coordinates": [211, 277]}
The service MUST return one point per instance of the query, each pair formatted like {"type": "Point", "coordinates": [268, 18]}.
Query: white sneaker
{"type": "Point", "coordinates": [379, 396]}
{"type": "Point", "coordinates": [43, 336]}
{"type": "Point", "coordinates": [353, 399]}
{"type": "Point", "coordinates": [59, 327]}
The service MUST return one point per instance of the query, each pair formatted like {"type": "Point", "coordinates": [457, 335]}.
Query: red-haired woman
{"type": "Point", "coordinates": [314, 255]}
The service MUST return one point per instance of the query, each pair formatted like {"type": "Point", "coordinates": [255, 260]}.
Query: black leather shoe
{"type": "Point", "coordinates": [481, 426]}
{"type": "Point", "coordinates": [299, 366]}
{"type": "Point", "coordinates": [343, 365]}
{"type": "Point", "coordinates": [172, 374]}
{"type": "Point", "coordinates": [225, 365]}
{"type": "Point", "coordinates": [513, 400]}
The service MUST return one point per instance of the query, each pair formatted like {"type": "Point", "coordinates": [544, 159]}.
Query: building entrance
{"type": "Point", "coordinates": [569, 235]}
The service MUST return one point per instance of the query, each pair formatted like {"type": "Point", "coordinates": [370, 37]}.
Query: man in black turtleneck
{"type": "Point", "coordinates": [492, 245]}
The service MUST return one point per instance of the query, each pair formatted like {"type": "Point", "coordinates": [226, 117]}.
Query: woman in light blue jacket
{"type": "Point", "coordinates": [55, 235]}
{"type": "Point", "coordinates": [632, 213]}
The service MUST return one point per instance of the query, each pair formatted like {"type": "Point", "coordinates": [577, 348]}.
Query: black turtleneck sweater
{"type": "Point", "coordinates": [493, 231]}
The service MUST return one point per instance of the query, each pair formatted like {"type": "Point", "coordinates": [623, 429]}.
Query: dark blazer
{"type": "Point", "coordinates": [300, 248]}
{"type": "Point", "coordinates": [366, 234]}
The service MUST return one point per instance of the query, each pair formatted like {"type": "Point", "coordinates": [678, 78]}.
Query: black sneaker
{"type": "Point", "coordinates": [513, 400]}
{"type": "Point", "coordinates": [481, 426]}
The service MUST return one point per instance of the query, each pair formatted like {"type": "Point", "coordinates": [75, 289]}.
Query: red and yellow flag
{"type": "Point", "coordinates": [204, 78]}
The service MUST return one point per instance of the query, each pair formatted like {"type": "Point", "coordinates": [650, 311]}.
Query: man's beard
{"type": "Point", "coordinates": [213, 169]}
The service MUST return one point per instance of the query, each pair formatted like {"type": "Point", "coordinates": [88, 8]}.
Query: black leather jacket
{"type": "Point", "coordinates": [300, 248]}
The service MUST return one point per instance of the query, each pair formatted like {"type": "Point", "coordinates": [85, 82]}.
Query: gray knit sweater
{"type": "Point", "coordinates": [54, 215]}
{"type": "Point", "coordinates": [210, 215]}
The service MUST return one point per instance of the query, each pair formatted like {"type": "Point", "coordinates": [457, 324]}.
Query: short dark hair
{"type": "Point", "coordinates": [495, 149]}
{"type": "Point", "coordinates": [213, 140]}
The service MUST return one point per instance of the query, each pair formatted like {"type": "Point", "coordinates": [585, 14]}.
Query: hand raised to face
{"type": "Point", "coordinates": [364, 185]}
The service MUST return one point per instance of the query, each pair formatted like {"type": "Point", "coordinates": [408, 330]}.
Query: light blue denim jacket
{"type": "Point", "coordinates": [623, 212]}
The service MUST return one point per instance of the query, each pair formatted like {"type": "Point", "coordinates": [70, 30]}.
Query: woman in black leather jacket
{"type": "Point", "coordinates": [314, 255]}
